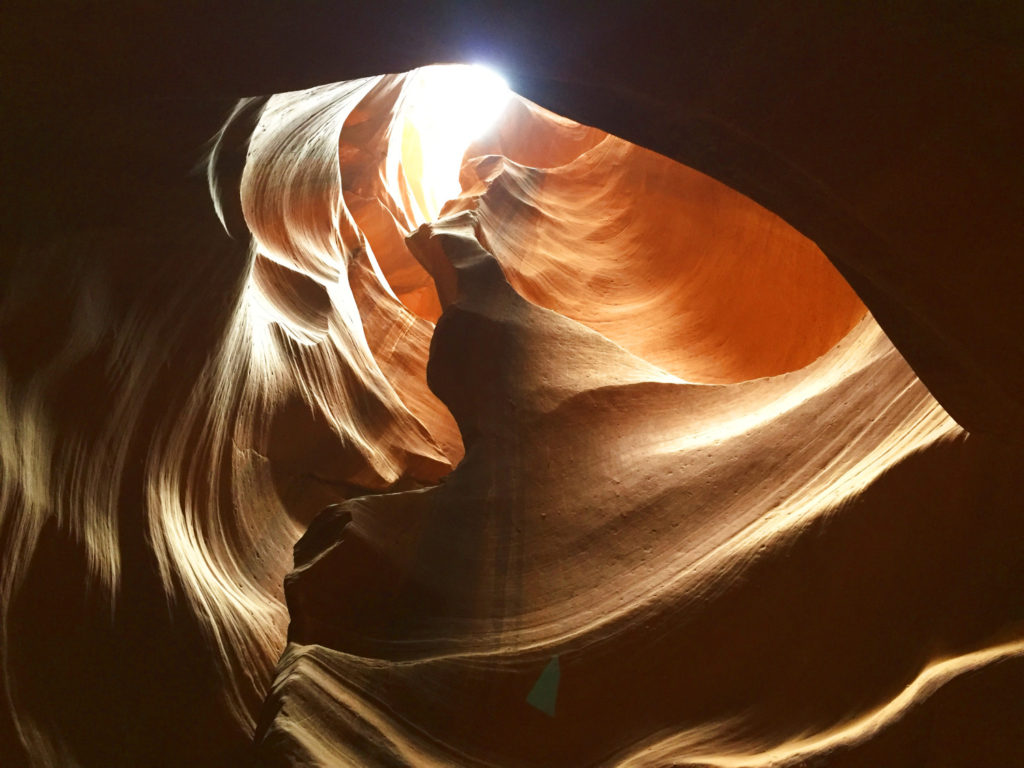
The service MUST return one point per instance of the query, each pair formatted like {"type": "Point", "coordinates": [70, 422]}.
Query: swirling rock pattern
{"type": "Point", "coordinates": [671, 497]}
{"type": "Point", "coordinates": [714, 565]}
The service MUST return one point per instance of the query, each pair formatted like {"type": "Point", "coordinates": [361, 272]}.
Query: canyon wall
{"type": "Point", "coordinates": [666, 458]}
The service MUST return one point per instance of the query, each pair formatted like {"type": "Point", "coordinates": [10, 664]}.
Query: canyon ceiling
{"type": "Point", "coordinates": [687, 433]}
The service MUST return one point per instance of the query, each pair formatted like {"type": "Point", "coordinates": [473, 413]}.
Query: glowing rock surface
{"type": "Point", "coordinates": [596, 407]}
{"type": "Point", "coordinates": [709, 544]}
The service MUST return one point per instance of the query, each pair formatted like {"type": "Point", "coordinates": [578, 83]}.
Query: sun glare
{"type": "Point", "coordinates": [446, 108]}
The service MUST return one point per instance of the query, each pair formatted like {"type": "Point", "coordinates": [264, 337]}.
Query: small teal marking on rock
{"type": "Point", "coordinates": [545, 690]}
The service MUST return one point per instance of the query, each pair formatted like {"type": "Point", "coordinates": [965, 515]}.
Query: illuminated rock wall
{"type": "Point", "coordinates": [748, 537]}
{"type": "Point", "coordinates": [695, 544]}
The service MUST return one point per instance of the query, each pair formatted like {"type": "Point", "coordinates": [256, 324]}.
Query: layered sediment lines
{"type": "Point", "coordinates": [696, 474]}
{"type": "Point", "coordinates": [717, 588]}
{"type": "Point", "coordinates": [597, 416]}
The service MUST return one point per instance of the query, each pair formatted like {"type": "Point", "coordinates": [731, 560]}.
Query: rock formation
{"type": "Point", "coordinates": [549, 450]}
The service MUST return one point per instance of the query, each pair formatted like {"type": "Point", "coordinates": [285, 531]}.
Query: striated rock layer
{"type": "Point", "coordinates": [671, 497]}
{"type": "Point", "coordinates": [717, 588]}
{"type": "Point", "coordinates": [745, 554]}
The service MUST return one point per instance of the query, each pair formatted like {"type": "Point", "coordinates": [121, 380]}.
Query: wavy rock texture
{"type": "Point", "coordinates": [664, 449]}
{"type": "Point", "coordinates": [731, 553]}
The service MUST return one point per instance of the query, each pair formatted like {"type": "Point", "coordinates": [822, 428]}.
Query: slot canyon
{"type": "Point", "coordinates": [659, 404]}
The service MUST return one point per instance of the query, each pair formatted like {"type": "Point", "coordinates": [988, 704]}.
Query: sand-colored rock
{"type": "Point", "coordinates": [676, 545]}
{"type": "Point", "coordinates": [817, 567]}
{"type": "Point", "coordinates": [718, 590]}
